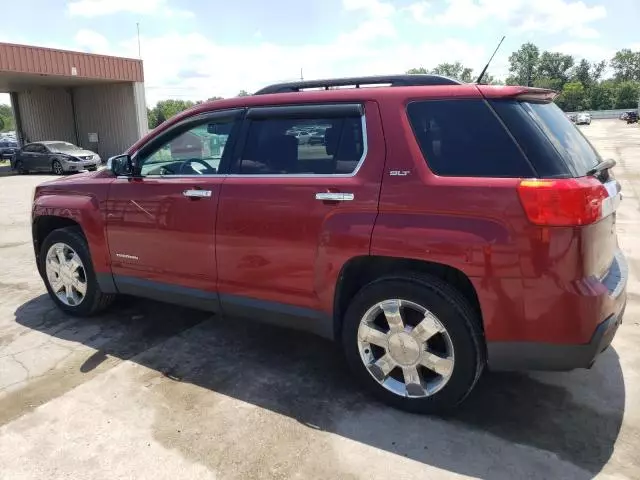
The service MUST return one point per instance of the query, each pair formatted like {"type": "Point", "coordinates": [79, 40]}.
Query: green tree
{"type": "Point", "coordinates": [419, 70]}
{"type": "Point", "coordinates": [626, 65]}
{"type": "Point", "coordinates": [454, 70]}
{"type": "Point", "coordinates": [547, 82]}
{"type": "Point", "coordinates": [6, 116]}
{"type": "Point", "coordinates": [573, 97]}
{"type": "Point", "coordinates": [555, 67]}
{"type": "Point", "coordinates": [627, 95]}
{"type": "Point", "coordinates": [523, 65]}
{"type": "Point", "coordinates": [160, 118]}
{"type": "Point", "coordinates": [243, 93]}
{"type": "Point", "coordinates": [588, 73]}
{"type": "Point", "coordinates": [600, 96]}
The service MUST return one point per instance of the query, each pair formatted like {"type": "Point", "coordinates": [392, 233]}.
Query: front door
{"type": "Point", "coordinates": [161, 223]}
{"type": "Point", "coordinates": [293, 212]}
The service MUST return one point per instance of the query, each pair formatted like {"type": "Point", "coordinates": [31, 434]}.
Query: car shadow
{"type": "Point", "coordinates": [575, 416]}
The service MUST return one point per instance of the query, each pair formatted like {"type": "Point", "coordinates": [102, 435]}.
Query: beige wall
{"type": "Point", "coordinates": [109, 111]}
{"type": "Point", "coordinates": [116, 112]}
{"type": "Point", "coordinates": [46, 114]}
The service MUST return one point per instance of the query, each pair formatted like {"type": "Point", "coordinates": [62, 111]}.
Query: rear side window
{"type": "Point", "coordinates": [567, 139]}
{"type": "Point", "coordinates": [315, 145]}
{"type": "Point", "coordinates": [464, 138]}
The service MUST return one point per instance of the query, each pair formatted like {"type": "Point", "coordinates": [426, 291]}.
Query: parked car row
{"type": "Point", "coordinates": [583, 118]}
{"type": "Point", "coordinates": [53, 156]}
{"type": "Point", "coordinates": [630, 116]}
{"type": "Point", "coordinates": [7, 148]}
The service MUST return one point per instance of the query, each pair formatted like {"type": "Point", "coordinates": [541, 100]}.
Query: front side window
{"type": "Point", "coordinates": [197, 151]}
{"type": "Point", "coordinates": [303, 146]}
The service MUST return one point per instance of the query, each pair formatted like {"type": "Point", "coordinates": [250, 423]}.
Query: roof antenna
{"type": "Point", "coordinates": [484, 70]}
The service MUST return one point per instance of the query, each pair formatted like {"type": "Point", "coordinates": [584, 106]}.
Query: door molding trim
{"type": "Point", "coordinates": [266, 311]}
{"type": "Point", "coordinates": [165, 292]}
{"type": "Point", "coordinates": [280, 314]}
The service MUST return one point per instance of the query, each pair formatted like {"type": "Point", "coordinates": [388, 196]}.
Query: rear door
{"type": "Point", "coordinates": [292, 213]}
{"type": "Point", "coordinates": [27, 156]}
{"type": "Point", "coordinates": [40, 158]}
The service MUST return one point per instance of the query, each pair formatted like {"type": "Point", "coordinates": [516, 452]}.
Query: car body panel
{"type": "Point", "coordinates": [81, 198]}
{"type": "Point", "coordinates": [158, 234]}
{"type": "Point", "coordinates": [265, 242]}
{"type": "Point", "coordinates": [277, 242]}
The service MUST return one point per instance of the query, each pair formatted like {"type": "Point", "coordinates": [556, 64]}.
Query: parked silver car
{"type": "Point", "coordinates": [54, 156]}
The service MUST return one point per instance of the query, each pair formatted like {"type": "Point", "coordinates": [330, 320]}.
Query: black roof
{"type": "Point", "coordinates": [393, 80]}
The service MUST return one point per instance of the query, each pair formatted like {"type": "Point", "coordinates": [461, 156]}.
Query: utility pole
{"type": "Point", "coordinates": [301, 77]}
{"type": "Point", "coordinates": [138, 30]}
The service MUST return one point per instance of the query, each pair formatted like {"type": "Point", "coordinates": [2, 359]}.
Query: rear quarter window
{"type": "Point", "coordinates": [464, 138]}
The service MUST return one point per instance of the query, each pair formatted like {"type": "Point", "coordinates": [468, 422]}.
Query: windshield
{"type": "Point", "coordinates": [62, 147]}
{"type": "Point", "coordinates": [568, 140]}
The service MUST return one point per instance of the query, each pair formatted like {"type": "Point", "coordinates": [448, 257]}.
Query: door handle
{"type": "Point", "coordinates": [195, 193]}
{"type": "Point", "coordinates": [334, 197]}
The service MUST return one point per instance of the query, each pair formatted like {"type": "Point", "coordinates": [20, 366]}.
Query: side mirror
{"type": "Point", "coordinates": [120, 165]}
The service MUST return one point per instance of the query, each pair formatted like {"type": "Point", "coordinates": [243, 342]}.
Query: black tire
{"type": "Point", "coordinates": [95, 300]}
{"type": "Point", "coordinates": [19, 167]}
{"type": "Point", "coordinates": [56, 168]}
{"type": "Point", "coordinates": [454, 313]}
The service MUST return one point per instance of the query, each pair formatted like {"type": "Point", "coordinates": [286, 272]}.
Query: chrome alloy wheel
{"type": "Point", "coordinates": [405, 348]}
{"type": "Point", "coordinates": [66, 274]}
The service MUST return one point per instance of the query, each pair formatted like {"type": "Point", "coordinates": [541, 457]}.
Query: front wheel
{"type": "Point", "coordinates": [56, 167]}
{"type": "Point", "coordinates": [19, 167]}
{"type": "Point", "coordinates": [415, 343]}
{"type": "Point", "coordinates": [66, 267]}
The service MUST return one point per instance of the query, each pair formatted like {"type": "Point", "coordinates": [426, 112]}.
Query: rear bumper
{"type": "Point", "coordinates": [545, 356]}
{"type": "Point", "coordinates": [504, 355]}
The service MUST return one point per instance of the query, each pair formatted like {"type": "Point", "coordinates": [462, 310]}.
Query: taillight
{"type": "Point", "coordinates": [563, 202]}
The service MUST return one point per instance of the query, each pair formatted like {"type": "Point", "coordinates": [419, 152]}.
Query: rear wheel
{"type": "Point", "coordinates": [67, 270]}
{"type": "Point", "coordinates": [56, 167]}
{"type": "Point", "coordinates": [415, 343]}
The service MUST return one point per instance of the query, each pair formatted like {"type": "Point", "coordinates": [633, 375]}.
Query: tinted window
{"type": "Point", "coordinates": [30, 148]}
{"type": "Point", "coordinates": [568, 140]}
{"type": "Point", "coordinates": [198, 151]}
{"type": "Point", "coordinates": [286, 146]}
{"type": "Point", "coordinates": [464, 138]}
{"type": "Point", "coordinates": [544, 157]}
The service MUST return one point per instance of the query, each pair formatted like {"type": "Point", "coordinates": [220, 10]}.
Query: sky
{"type": "Point", "coordinates": [196, 49]}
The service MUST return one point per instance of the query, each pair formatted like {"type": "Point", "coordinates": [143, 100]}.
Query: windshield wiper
{"type": "Point", "coordinates": [602, 166]}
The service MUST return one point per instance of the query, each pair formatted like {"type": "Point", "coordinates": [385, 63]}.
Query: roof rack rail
{"type": "Point", "coordinates": [394, 80]}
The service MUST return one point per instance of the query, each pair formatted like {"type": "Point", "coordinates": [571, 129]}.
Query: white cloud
{"type": "Point", "coordinates": [590, 51]}
{"type": "Point", "coordinates": [95, 8]}
{"type": "Point", "coordinates": [548, 16]}
{"type": "Point", "coordinates": [375, 8]}
{"type": "Point", "coordinates": [91, 41]}
{"type": "Point", "coordinates": [194, 67]}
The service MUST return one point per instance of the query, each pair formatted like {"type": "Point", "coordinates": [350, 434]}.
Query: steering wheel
{"type": "Point", "coordinates": [208, 168]}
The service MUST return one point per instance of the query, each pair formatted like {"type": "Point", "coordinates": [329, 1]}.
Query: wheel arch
{"type": "Point", "coordinates": [360, 271]}
{"type": "Point", "coordinates": [43, 225]}
{"type": "Point", "coordinates": [52, 210]}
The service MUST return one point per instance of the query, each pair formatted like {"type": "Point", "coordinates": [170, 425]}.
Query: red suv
{"type": "Point", "coordinates": [438, 228]}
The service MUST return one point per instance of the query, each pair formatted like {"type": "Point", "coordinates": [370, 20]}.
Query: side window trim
{"type": "Point", "coordinates": [183, 126]}
{"type": "Point", "coordinates": [300, 111]}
